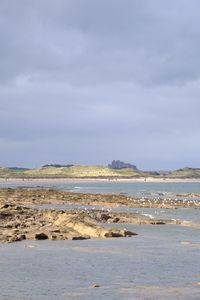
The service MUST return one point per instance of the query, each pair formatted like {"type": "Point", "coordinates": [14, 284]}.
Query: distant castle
{"type": "Point", "coordinates": [118, 164]}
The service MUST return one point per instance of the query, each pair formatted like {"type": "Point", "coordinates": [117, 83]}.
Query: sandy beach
{"type": "Point", "coordinates": [79, 180]}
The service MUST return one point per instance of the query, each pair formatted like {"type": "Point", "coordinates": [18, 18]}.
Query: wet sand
{"type": "Point", "coordinates": [82, 180]}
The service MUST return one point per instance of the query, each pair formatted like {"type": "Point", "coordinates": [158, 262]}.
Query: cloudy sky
{"type": "Point", "coordinates": [91, 81]}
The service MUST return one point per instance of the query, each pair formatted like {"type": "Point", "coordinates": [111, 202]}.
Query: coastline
{"type": "Point", "coordinates": [38, 214]}
{"type": "Point", "coordinates": [161, 247]}
{"type": "Point", "coordinates": [79, 180]}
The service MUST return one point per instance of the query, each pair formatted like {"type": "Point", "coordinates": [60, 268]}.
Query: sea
{"type": "Point", "coordinates": [161, 262]}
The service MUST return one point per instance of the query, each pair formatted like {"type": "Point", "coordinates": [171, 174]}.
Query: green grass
{"type": "Point", "coordinates": [81, 172]}
{"type": "Point", "coordinates": [5, 172]}
{"type": "Point", "coordinates": [92, 172]}
{"type": "Point", "coordinates": [185, 173]}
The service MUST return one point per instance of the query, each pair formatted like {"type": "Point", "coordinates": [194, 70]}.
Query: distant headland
{"type": "Point", "coordinates": [115, 170]}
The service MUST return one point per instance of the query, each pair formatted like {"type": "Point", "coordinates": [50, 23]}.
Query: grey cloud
{"type": "Point", "coordinates": [89, 81]}
{"type": "Point", "coordinates": [95, 41]}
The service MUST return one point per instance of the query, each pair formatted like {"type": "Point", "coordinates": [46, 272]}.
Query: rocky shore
{"type": "Point", "coordinates": [20, 219]}
{"type": "Point", "coordinates": [23, 196]}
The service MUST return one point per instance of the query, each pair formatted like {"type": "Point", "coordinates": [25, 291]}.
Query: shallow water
{"type": "Point", "coordinates": [144, 189]}
{"type": "Point", "coordinates": [162, 262]}
{"type": "Point", "coordinates": [183, 214]}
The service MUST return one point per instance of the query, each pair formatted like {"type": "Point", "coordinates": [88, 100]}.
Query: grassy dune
{"type": "Point", "coordinates": [93, 172]}
{"type": "Point", "coordinates": [5, 172]}
{"type": "Point", "coordinates": [81, 172]}
{"type": "Point", "coordinates": [185, 173]}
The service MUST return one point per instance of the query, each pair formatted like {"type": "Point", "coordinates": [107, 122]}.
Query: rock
{"type": "Point", "coordinates": [19, 222]}
{"type": "Point", "coordinates": [16, 238]}
{"type": "Point", "coordinates": [111, 234]}
{"type": "Point", "coordinates": [158, 222]}
{"type": "Point", "coordinates": [128, 233]}
{"type": "Point", "coordinates": [116, 220]}
{"type": "Point", "coordinates": [41, 236]}
{"type": "Point", "coordinates": [96, 286]}
{"type": "Point", "coordinates": [75, 238]}
{"type": "Point", "coordinates": [105, 217]}
{"type": "Point", "coordinates": [42, 196]}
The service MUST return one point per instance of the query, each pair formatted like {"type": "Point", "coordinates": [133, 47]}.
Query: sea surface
{"type": "Point", "coordinates": [161, 262]}
{"type": "Point", "coordinates": [145, 189]}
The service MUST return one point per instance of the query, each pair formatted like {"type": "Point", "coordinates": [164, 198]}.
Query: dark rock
{"type": "Point", "coordinates": [105, 217]}
{"type": "Point", "coordinates": [96, 286]}
{"type": "Point", "coordinates": [75, 238]}
{"type": "Point", "coordinates": [41, 236]}
{"type": "Point", "coordinates": [129, 233]}
{"type": "Point", "coordinates": [111, 234]}
{"type": "Point", "coordinates": [116, 220]}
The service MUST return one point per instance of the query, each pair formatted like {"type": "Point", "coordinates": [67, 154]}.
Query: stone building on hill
{"type": "Point", "coordinates": [117, 164]}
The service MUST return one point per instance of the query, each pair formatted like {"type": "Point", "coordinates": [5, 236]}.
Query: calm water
{"type": "Point", "coordinates": [162, 262]}
{"type": "Point", "coordinates": [159, 263]}
{"type": "Point", "coordinates": [130, 188]}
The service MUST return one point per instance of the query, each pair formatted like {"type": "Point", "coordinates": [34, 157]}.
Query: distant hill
{"type": "Point", "coordinates": [5, 172]}
{"type": "Point", "coordinates": [185, 173]}
{"type": "Point", "coordinates": [76, 171]}
{"type": "Point", "coordinates": [11, 172]}
{"type": "Point", "coordinates": [81, 172]}
{"type": "Point", "coordinates": [17, 169]}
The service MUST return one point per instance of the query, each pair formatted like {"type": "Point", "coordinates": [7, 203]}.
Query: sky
{"type": "Point", "coordinates": [86, 82]}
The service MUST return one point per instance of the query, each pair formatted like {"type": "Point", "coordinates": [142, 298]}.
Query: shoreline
{"type": "Point", "coordinates": [79, 180]}
{"type": "Point", "coordinates": [24, 215]}
{"type": "Point", "coordinates": [28, 196]}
